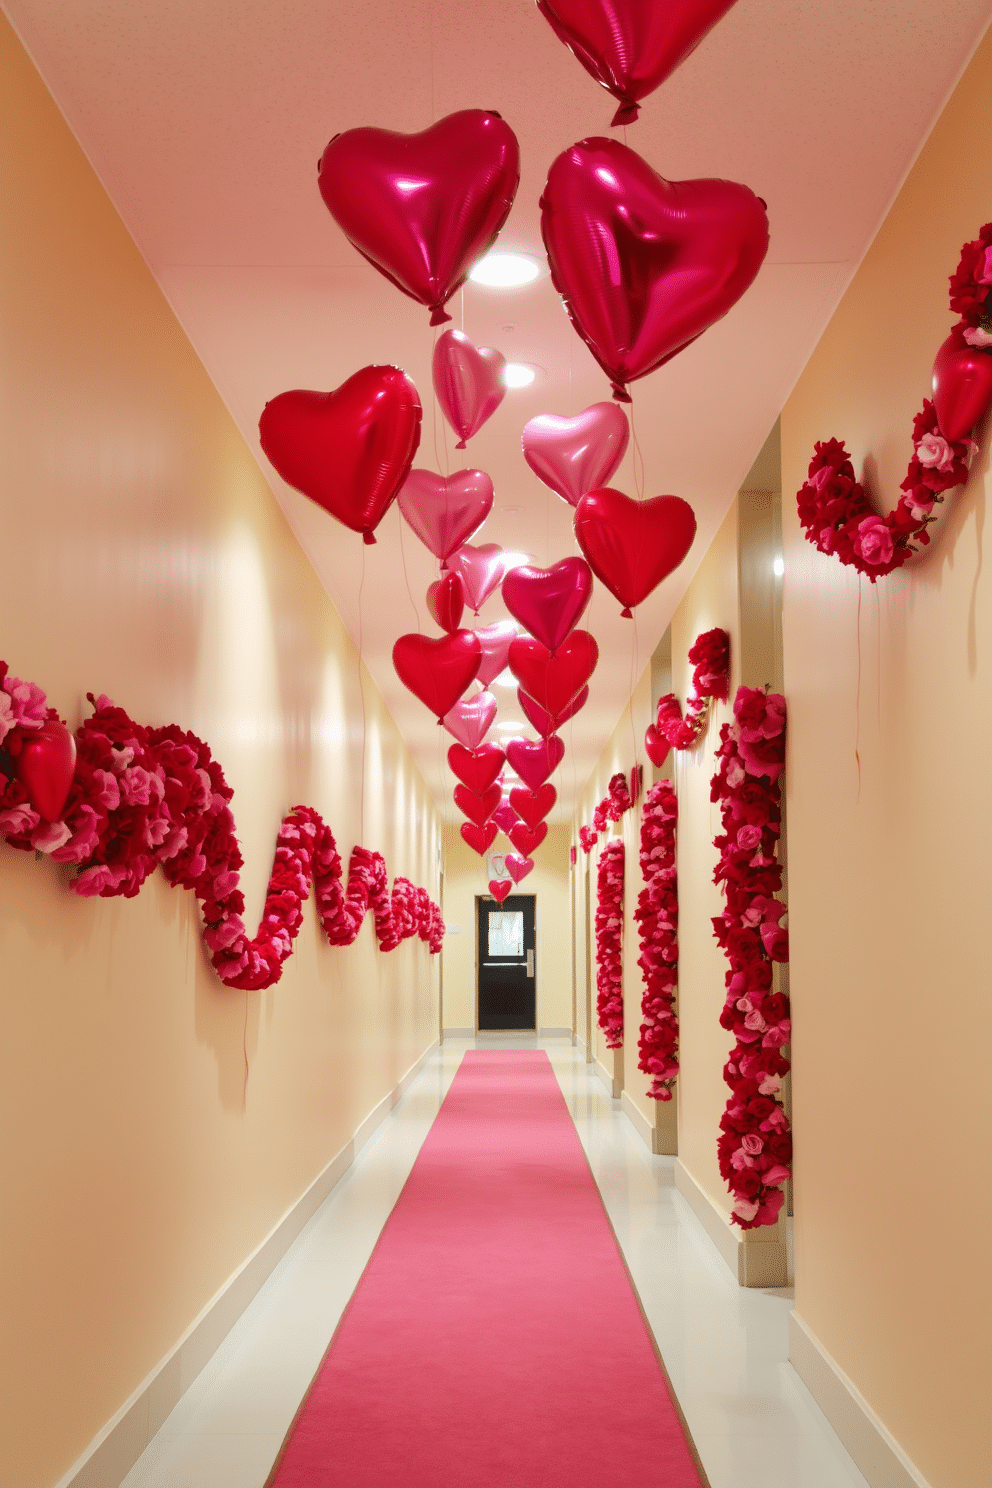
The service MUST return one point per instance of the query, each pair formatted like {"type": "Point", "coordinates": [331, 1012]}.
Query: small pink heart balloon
{"type": "Point", "coordinates": [495, 641]}
{"type": "Point", "coordinates": [518, 867]}
{"type": "Point", "coordinates": [962, 386]}
{"type": "Point", "coordinates": [546, 723]}
{"type": "Point", "coordinates": [471, 719]}
{"type": "Point", "coordinates": [576, 455]}
{"type": "Point", "coordinates": [504, 816]}
{"type": "Point", "coordinates": [468, 381]}
{"type": "Point", "coordinates": [549, 602]}
{"type": "Point", "coordinates": [445, 511]}
{"type": "Point", "coordinates": [480, 569]}
{"type": "Point", "coordinates": [534, 760]}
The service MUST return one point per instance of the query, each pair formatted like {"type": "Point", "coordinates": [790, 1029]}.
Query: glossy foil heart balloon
{"type": "Point", "coordinates": [45, 767]}
{"type": "Point", "coordinates": [645, 265]}
{"type": "Point", "coordinates": [471, 719]}
{"type": "Point", "coordinates": [501, 888]}
{"type": "Point", "coordinates": [630, 46]}
{"type": "Point", "coordinates": [479, 838]}
{"type": "Point", "coordinates": [656, 745]}
{"type": "Point", "coordinates": [534, 761]}
{"type": "Point", "coordinates": [518, 867]}
{"type": "Point", "coordinates": [495, 641]}
{"type": "Point", "coordinates": [532, 806]}
{"type": "Point", "coordinates": [446, 601]}
{"type": "Point", "coordinates": [468, 381]}
{"type": "Point", "coordinates": [549, 602]}
{"type": "Point", "coordinates": [576, 455]}
{"type": "Point", "coordinates": [423, 207]}
{"type": "Point", "coordinates": [478, 808]}
{"type": "Point", "coordinates": [504, 816]}
{"type": "Point", "coordinates": [553, 681]}
{"type": "Point", "coordinates": [542, 720]}
{"type": "Point", "coordinates": [445, 511]}
{"type": "Point", "coordinates": [478, 768]}
{"type": "Point", "coordinates": [525, 838]}
{"type": "Point", "coordinates": [962, 386]}
{"type": "Point", "coordinates": [349, 450]}
{"type": "Point", "coordinates": [480, 569]}
{"type": "Point", "coordinates": [632, 545]}
{"type": "Point", "coordinates": [437, 672]}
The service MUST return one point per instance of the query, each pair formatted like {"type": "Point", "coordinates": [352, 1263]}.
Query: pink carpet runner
{"type": "Point", "coordinates": [494, 1340]}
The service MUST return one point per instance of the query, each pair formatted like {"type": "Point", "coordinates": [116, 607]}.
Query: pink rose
{"type": "Point", "coordinates": [983, 270]}
{"type": "Point", "coordinates": [976, 336]}
{"type": "Point", "coordinates": [49, 836]}
{"type": "Point", "coordinates": [934, 453]}
{"type": "Point", "coordinates": [28, 703]}
{"type": "Point", "coordinates": [83, 841]}
{"type": "Point", "coordinates": [19, 819]}
{"type": "Point", "coordinates": [874, 541]}
{"type": "Point", "coordinates": [770, 1085]}
{"type": "Point", "coordinates": [6, 715]}
{"type": "Point", "coordinates": [752, 1144]}
{"type": "Point", "coordinates": [109, 796]}
{"type": "Point", "coordinates": [748, 838]}
{"type": "Point", "coordinates": [745, 1208]}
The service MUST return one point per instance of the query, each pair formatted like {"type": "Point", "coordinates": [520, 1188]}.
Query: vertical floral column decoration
{"type": "Point", "coordinates": [755, 1145]}
{"type": "Point", "coordinates": [609, 940]}
{"type": "Point", "coordinates": [657, 914]}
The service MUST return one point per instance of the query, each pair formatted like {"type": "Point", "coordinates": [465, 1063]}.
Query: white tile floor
{"type": "Point", "coordinates": [754, 1423]}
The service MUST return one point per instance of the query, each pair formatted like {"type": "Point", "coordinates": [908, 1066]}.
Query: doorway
{"type": "Point", "coordinates": [506, 958]}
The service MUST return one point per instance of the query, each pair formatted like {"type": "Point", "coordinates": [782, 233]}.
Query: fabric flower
{"type": "Point", "coordinates": [874, 541]}
{"type": "Point", "coordinates": [934, 453]}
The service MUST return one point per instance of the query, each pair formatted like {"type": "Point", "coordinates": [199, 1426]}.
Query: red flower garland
{"type": "Point", "coordinates": [710, 655]}
{"type": "Point", "coordinates": [755, 1146]}
{"type": "Point", "coordinates": [144, 798]}
{"type": "Point", "coordinates": [657, 913]}
{"type": "Point", "coordinates": [610, 809]}
{"type": "Point", "coordinates": [835, 513]}
{"type": "Point", "coordinates": [609, 937]}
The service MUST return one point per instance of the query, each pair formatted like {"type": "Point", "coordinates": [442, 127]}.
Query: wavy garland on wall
{"type": "Point", "coordinates": [609, 942]}
{"type": "Point", "coordinates": [143, 798]}
{"type": "Point", "coordinates": [611, 808]}
{"type": "Point", "coordinates": [710, 657]}
{"type": "Point", "coordinates": [657, 914]}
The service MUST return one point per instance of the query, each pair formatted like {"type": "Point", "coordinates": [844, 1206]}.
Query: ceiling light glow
{"type": "Point", "coordinates": [778, 567]}
{"type": "Point", "coordinates": [505, 270]}
{"type": "Point", "coordinates": [518, 375]}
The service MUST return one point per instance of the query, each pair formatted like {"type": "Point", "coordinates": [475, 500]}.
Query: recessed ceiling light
{"type": "Point", "coordinates": [512, 723]}
{"type": "Point", "coordinates": [505, 679]}
{"type": "Point", "coordinates": [514, 560]}
{"type": "Point", "coordinates": [518, 375]}
{"type": "Point", "coordinates": [778, 567]}
{"type": "Point", "coordinates": [505, 270]}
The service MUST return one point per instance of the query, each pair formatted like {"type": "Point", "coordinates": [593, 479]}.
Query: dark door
{"type": "Point", "coordinates": [507, 986]}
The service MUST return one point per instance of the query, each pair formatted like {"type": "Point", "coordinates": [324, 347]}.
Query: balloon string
{"type": "Point", "coordinates": [633, 678]}
{"type": "Point", "coordinates": [361, 688]}
{"type": "Point", "coordinates": [878, 664]}
{"type": "Point", "coordinates": [636, 455]}
{"type": "Point", "coordinates": [463, 309]}
{"type": "Point", "coordinates": [437, 457]}
{"type": "Point", "coordinates": [244, 1050]}
{"type": "Point", "coordinates": [857, 732]}
{"type": "Point", "coordinates": [406, 577]}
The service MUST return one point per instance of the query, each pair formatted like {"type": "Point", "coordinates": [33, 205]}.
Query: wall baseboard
{"type": "Point", "coordinates": [638, 1120]}
{"type": "Point", "coordinates": [116, 1448]}
{"type": "Point", "coordinates": [608, 1078]}
{"type": "Point", "coordinates": [758, 1258]}
{"type": "Point", "coordinates": [458, 1033]}
{"type": "Point", "coordinates": [556, 1033]}
{"type": "Point", "coordinates": [659, 1136]}
{"type": "Point", "coordinates": [872, 1447]}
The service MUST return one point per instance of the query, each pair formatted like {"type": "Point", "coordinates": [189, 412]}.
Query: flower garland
{"type": "Point", "coordinates": [710, 656]}
{"type": "Point", "coordinates": [657, 914]}
{"type": "Point", "coordinates": [834, 511]}
{"type": "Point", "coordinates": [755, 1145]}
{"type": "Point", "coordinates": [610, 809]}
{"type": "Point", "coordinates": [609, 934]}
{"type": "Point", "coordinates": [143, 798]}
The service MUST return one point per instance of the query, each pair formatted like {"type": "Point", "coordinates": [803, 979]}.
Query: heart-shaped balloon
{"type": "Point", "coordinates": [549, 602]}
{"type": "Point", "coordinates": [542, 720]}
{"type": "Point", "coordinates": [657, 746]}
{"type": "Point", "coordinates": [553, 681]}
{"type": "Point", "coordinates": [438, 671]}
{"type": "Point", "coordinates": [534, 760]}
{"type": "Point", "coordinates": [495, 641]}
{"type": "Point", "coordinates": [476, 768]}
{"type": "Point", "coordinates": [525, 839]}
{"type": "Point", "coordinates": [532, 806]}
{"type": "Point", "coordinates": [645, 265]}
{"type": "Point", "coordinates": [479, 838]}
{"type": "Point", "coordinates": [500, 888]}
{"type": "Point", "coordinates": [962, 386]}
{"type": "Point", "coordinates": [480, 569]}
{"type": "Point", "coordinates": [445, 511]}
{"type": "Point", "coordinates": [505, 817]}
{"type": "Point", "coordinates": [45, 767]}
{"type": "Point", "coordinates": [576, 455]}
{"type": "Point", "coordinates": [477, 808]}
{"type": "Point", "coordinates": [632, 545]}
{"type": "Point", "coordinates": [628, 46]}
{"type": "Point", "coordinates": [518, 867]}
{"type": "Point", "coordinates": [349, 450]}
{"type": "Point", "coordinates": [446, 601]}
{"type": "Point", "coordinates": [469, 383]}
{"type": "Point", "coordinates": [471, 719]}
{"type": "Point", "coordinates": [423, 207]}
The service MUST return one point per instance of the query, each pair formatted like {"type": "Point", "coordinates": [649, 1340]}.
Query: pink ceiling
{"type": "Point", "coordinates": [205, 122]}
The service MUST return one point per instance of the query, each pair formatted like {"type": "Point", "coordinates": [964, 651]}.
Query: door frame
{"type": "Point", "coordinates": [537, 1006]}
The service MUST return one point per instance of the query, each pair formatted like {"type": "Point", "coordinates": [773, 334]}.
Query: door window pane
{"type": "Point", "coordinates": [506, 933]}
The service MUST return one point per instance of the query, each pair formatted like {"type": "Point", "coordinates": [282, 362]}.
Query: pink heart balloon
{"type": "Point", "coordinates": [480, 569]}
{"type": "Point", "coordinates": [495, 641]}
{"type": "Point", "coordinates": [645, 265]}
{"type": "Point", "coordinates": [632, 545]}
{"type": "Point", "coordinates": [471, 719]}
{"type": "Point", "coordinates": [518, 867]}
{"type": "Point", "coordinates": [962, 386]}
{"type": "Point", "coordinates": [545, 722]}
{"type": "Point", "coordinates": [468, 381]}
{"type": "Point", "coordinates": [504, 816]}
{"type": "Point", "coordinates": [500, 888]}
{"type": "Point", "coordinates": [534, 760]}
{"type": "Point", "coordinates": [576, 455]}
{"type": "Point", "coordinates": [46, 766]}
{"type": "Point", "coordinates": [549, 602]}
{"type": "Point", "coordinates": [445, 511]}
{"type": "Point", "coordinates": [446, 601]}
{"type": "Point", "coordinates": [423, 207]}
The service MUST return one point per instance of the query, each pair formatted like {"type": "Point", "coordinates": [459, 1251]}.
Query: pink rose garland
{"type": "Point", "coordinates": [610, 809]}
{"type": "Point", "coordinates": [609, 937]}
{"type": "Point", "coordinates": [710, 655]}
{"type": "Point", "coordinates": [657, 914]}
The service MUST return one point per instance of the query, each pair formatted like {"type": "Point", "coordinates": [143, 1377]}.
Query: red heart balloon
{"type": "Point", "coordinates": [500, 888]}
{"type": "Point", "coordinates": [632, 545]}
{"type": "Point", "coordinates": [437, 672]}
{"type": "Point", "coordinates": [628, 46]}
{"type": "Point", "coordinates": [45, 767]}
{"type": "Point", "coordinates": [423, 207]}
{"type": "Point", "coordinates": [962, 386]}
{"type": "Point", "coordinates": [349, 450]}
{"type": "Point", "coordinates": [553, 681]}
{"type": "Point", "coordinates": [576, 455]}
{"type": "Point", "coordinates": [549, 602]}
{"type": "Point", "coordinates": [525, 839]}
{"type": "Point", "coordinates": [542, 720]}
{"type": "Point", "coordinates": [657, 746]}
{"type": "Point", "coordinates": [645, 265]}
{"type": "Point", "coordinates": [446, 601]}
{"type": "Point", "coordinates": [476, 768]}
{"type": "Point", "coordinates": [445, 511]}
{"type": "Point", "coordinates": [534, 761]}
{"type": "Point", "coordinates": [532, 806]}
{"type": "Point", "coordinates": [505, 817]}
{"type": "Point", "coordinates": [479, 838]}
{"type": "Point", "coordinates": [518, 867]}
{"type": "Point", "coordinates": [468, 381]}
{"type": "Point", "coordinates": [478, 808]}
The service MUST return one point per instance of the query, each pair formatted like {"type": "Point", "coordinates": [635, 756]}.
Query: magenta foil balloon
{"type": "Point", "coordinates": [645, 265]}
{"type": "Point", "coordinates": [480, 569]}
{"type": "Point", "coordinates": [576, 455]}
{"type": "Point", "coordinates": [549, 602]}
{"type": "Point", "coordinates": [495, 641]}
{"type": "Point", "coordinates": [445, 511]}
{"type": "Point", "coordinates": [422, 208]}
{"type": "Point", "coordinates": [630, 46]}
{"type": "Point", "coordinates": [534, 760]}
{"type": "Point", "coordinates": [471, 719]}
{"type": "Point", "coordinates": [504, 816]}
{"type": "Point", "coordinates": [546, 723]}
{"type": "Point", "coordinates": [468, 381]}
